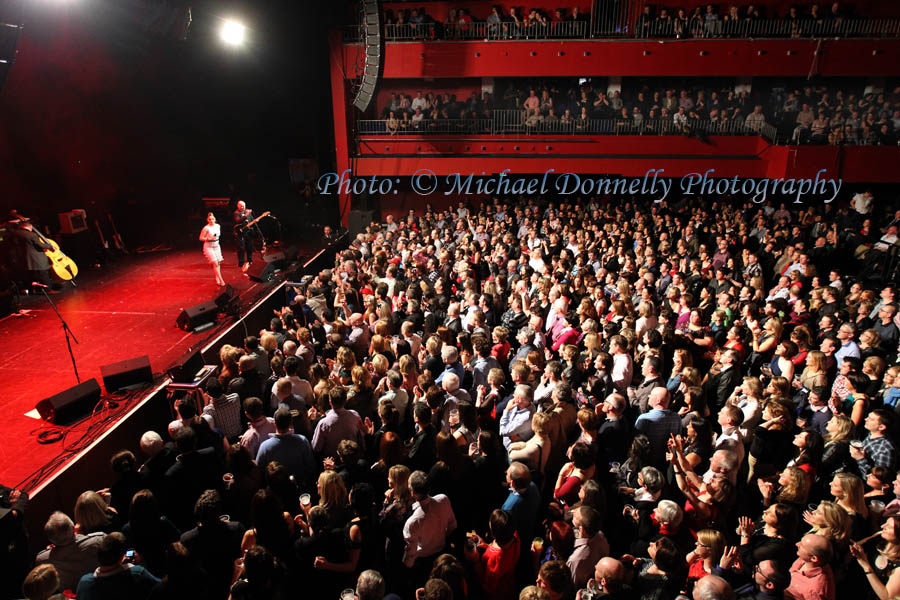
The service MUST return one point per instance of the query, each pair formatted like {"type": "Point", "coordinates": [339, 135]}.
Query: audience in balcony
{"type": "Point", "coordinates": [803, 115]}
{"type": "Point", "coordinates": [655, 20]}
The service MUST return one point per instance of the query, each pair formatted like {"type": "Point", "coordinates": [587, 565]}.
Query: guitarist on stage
{"type": "Point", "coordinates": [245, 235]}
{"type": "Point", "coordinates": [32, 246]}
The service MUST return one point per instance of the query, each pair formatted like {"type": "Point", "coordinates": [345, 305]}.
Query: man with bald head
{"type": "Point", "coordinates": [358, 337]}
{"type": "Point", "coordinates": [609, 576]}
{"type": "Point", "coordinates": [712, 587]}
{"type": "Point", "coordinates": [658, 424]}
{"type": "Point", "coordinates": [811, 575]}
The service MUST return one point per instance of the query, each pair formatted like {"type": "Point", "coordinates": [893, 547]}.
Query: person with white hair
{"type": "Point", "coordinates": [452, 364]}
{"type": "Point", "coordinates": [73, 554]}
{"type": "Point", "coordinates": [160, 456]}
{"type": "Point", "coordinates": [515, 423]}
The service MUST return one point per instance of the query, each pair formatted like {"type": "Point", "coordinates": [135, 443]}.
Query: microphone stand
{"type": "Point", "coordinates": [66, 330]}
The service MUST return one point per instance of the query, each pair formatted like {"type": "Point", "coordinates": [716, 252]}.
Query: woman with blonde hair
{"type": "Point", "coordinates": [873, 368]}
{"type": "Point", "coordinates": [646, 319]}
{"type": "Point", "coordinates": [836, 454]}
{"type": "Point", "coordinates": [815, 374]}
{"type": "Point", "coordinates": [705, 556]}
{"type": "Point", "coordinates": [333, 498]}
{"type": "Point", "coordinates": [791, 488]}
{"type": "Point", "coordinates": [829, 519]}
{"type": "Point", "coordinates": [849, 492]}
{"type": "Point", "coordinates": [535, 452]}
{"type": "Point", "coordinates": [748, 398]}
{"type": "Point", "coordinates": [681, 360]}
{"type": "Point", "coordinates": [379, 345]}
{"type": "Point", "coordinates": [345, 359]}
{"type": "Point", "coordinates": [869, 340]}
{"type": "Point", "coordinates": [409, 369]}
{"type": "Point", "coordinates": [229, 356]}
{"type": "Point", "coordinates": [380, 366]}
{"type": "Point", "coordinates": [361, 396]}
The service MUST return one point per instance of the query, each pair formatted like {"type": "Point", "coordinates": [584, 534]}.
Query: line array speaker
{"type": "Point", "coordinates": [373, 43]}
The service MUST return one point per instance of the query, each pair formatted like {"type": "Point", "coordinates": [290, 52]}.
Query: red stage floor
{"type": "Point", "coordinates": [120, 311]}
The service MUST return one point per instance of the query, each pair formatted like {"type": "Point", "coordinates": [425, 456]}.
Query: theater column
{"type": "Point", "coordinates": [340, 102]}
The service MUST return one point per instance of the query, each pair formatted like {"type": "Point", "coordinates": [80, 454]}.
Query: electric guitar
{"type": "Point", "coordinates": [240, 228]}
{"type": "Point", "coordinates": [117, 239]}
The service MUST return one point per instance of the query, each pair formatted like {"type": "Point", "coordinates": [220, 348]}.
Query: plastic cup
{"type": "Point", "coordinates": [348, 594]}
{"type": "Point", "coordinates": [877, 506]}
{"type": "Point", "coordinates": [857, 444]}
{"type": "Point", "coordinates": [614, 466]}
{"type": "Point", "coordinates": [812, 507]}
{"type": "Point", "coordinates": [305, 499]}
{"type": "Point", "coordinates": [228, 480]}
{"type": "Point", "coordinates": [225, 518]}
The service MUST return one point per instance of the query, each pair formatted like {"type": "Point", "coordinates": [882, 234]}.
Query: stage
{"type": "Point", "coordinates": [122, 310]}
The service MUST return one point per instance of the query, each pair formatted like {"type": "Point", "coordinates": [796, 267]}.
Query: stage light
{"type": "Point", "coordinates": [232, 33]}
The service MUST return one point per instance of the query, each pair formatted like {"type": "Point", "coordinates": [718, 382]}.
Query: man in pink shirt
{"type": "Point", "coordinates": [532, 102]}
{"type": "Point", "coordinates": [811, 576]}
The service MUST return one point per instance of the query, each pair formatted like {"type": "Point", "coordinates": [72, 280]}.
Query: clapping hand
{"type": "Point", "coordinates": [328, 463]}
{"type": "Point", "coordinates": [369, 426]}
{"type": "Point", "coordinates": [745, 526]}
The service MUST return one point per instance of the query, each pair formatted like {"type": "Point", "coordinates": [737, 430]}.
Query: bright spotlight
{"type": "Point", "coordinates": [232, 33]}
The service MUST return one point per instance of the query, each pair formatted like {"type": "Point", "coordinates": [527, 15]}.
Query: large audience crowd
{"type": "Point", "coordinates": [538, 400]}
{"type": "Point", "coordinates": [657, 21]}
{"type": "Point", "coordinates": [802, 113]}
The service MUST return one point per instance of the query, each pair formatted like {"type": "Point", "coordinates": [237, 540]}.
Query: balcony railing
{"type": "Point", "coordinates": [612, 26]}
{"type": "Point", "coordinates": [766, 28]}
{"type": "Point", "coordinates": [514, 122]}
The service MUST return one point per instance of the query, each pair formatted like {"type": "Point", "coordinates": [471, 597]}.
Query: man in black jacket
{"type": "Point", "coordinates": [423, 452]}
{"type": "Point", "coordinates": [719, 386]}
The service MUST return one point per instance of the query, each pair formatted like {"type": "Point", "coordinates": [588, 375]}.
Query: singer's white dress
{"type": "Point", "coordinates": [211, 250]}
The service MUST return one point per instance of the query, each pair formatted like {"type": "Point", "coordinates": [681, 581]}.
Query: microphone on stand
{"type": "Point", "coordinates": [39, 285]}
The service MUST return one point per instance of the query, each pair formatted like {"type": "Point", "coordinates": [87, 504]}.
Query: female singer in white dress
{"type": "Point", "coordinates": [211, 250]}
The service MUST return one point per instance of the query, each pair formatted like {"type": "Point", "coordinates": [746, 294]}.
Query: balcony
{"type": "Point", "coordinates": [651, 29]}
{"type": "Point", "coordinates": [515, 123]}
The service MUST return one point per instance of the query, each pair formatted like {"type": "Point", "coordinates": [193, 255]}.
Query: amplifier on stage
{"type": "Point", "coordinates": [74, 221]}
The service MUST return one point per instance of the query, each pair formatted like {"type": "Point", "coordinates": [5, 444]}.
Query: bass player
{"type": "Point", "coordinates": [32, 246]}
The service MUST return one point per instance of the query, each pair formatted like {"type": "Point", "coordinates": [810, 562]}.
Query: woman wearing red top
{"type": "Point", "coordinates": [495, 563]}
{"type": "Point", "coordinates": [703, 499]}
{"type": "Point", "coordinates": [808, 458]}
{"type": "Point", "coordinates": [709, 551]}
{"type": "Point", "coordinates": [573, 475]}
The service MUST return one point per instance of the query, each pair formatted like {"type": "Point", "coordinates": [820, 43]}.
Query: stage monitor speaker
{"type": "Point", "coordinates": [126, 373]}
{"type": "Point", "coordinates": [197, 316]}
{"type": "Point", "coordinates": [273, 255]}
{"type": "Point", "coordinates": [265, 271]}
{"type": "Point", "coordinates": [358, 220]}
{"type": "Point", "coordinates": [373, 43]}
{"type": "Point", "coordinates": [187, 367]}
{"type": "Point", "coordinates": [72, 404]}
{"type": "Point", "coordinates": [225, 297]}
